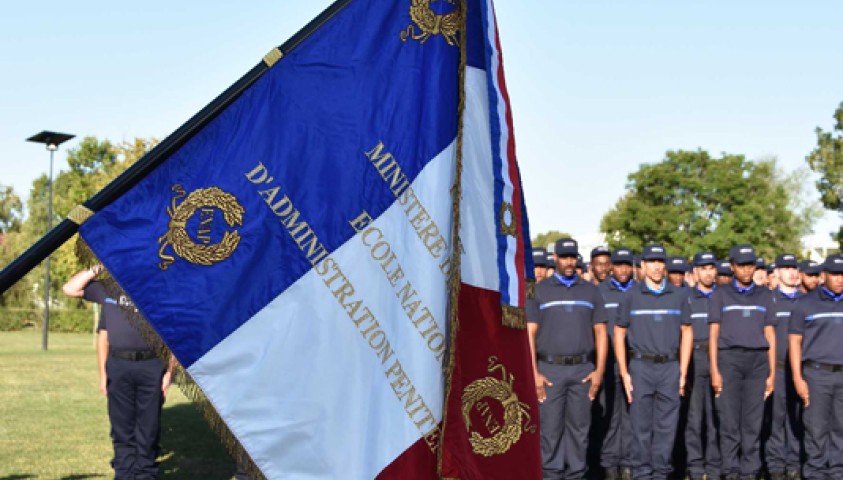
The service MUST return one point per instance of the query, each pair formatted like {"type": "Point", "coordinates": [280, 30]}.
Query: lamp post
{"type": "Point", "coordinates": [51, 140]}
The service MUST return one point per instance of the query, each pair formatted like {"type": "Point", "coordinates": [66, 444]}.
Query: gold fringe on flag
{"type": "Point", "coordinates": [513, 317]}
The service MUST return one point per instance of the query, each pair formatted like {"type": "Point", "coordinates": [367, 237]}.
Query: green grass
{"type": "Point", "coordinates": [54, 424]}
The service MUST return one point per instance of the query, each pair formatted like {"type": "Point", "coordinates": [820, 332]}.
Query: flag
{"type": "Point", "coordinates": [295, 254]}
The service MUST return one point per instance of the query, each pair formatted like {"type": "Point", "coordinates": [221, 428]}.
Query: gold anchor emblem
{"type": "Point", "coordinates": [431, 23]}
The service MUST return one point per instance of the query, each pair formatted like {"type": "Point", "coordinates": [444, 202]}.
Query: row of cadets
{"type": "Point", "coordinates": [568, 340]}
{"type": "Point", "coordinates": [816, 360]}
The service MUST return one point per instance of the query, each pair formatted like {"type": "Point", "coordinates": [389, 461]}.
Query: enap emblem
{"type": "Point", "coordinates": [429, 22]}
{"type": "Point", "coordinates": [516, 416]}
{"type": "Point", "coordinates": [207, 201]}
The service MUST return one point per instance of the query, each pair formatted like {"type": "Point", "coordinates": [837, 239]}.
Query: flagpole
{"type": "Point", "coordinates": [62, 232]}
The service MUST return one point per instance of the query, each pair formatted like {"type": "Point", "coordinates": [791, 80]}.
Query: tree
{"type": "Point", "coordinates": [827, 160]}
{"type": "Point", "coordinates": [691, 202]}
{"type": "Point", "coordinates": [542, 240]}
{"type": "Point", "coordinates": [11, 210]}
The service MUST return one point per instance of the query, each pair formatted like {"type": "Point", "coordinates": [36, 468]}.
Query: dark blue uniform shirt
{"type": "Point", "coordinates": [122, 335]}
{"type": "Point", "coordinates": [653, 321]}
{"type": "Point", "coordinates": [819, 319]}
{"type": "Point", "coordinates": [781, 310]}
{"type": "Point", "coordinates": [698, 313]}
{"type": "Point", "coordinates": [742, 315]}
{"type": "Point", "coordinates": [565, 316]}
{"type": "Point", "coordinates": [613, 293]}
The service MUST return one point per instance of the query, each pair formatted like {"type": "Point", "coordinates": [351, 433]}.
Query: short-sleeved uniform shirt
{"type": "Point", "coordinates": [781, 310]}
{"type": "Point", "coordinates": [565, 316]}
{"type": "Point", "coordinates": [742, 315]}
{"type": "Point", "coordinates": [122, 335]}
{"type": "Point", "coordinates": [613, 292]}
{"type": "Point", "coordinates": [698, 313]}
{"type": "Point", "coordinates": [653, 320]}
{"type": "Point", "coordinates": [818, 317]}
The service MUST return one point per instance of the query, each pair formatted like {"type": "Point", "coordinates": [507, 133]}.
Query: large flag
{"type": "Point", "coordinates": [295, 254]}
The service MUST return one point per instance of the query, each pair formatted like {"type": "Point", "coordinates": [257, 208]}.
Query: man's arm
{"type": "Point", "coordinates": [541, 380]}
{"type": "Point", "coordinates": [716, 378]}
{"type": "Point", "coordinates": [601, 346]}
{"type": "Point", "coordinates": [102, 355]}
{"type": "Point", "coordinates": [799, 383]}
{"type": "Point", "coordinates": [685, 348]}
{"type": "Point", "coordinates": [770, 334]}
{"type": "Point", "coordinates": [75, 287]}
{"type": "Point", "coordinates": [620, 357]}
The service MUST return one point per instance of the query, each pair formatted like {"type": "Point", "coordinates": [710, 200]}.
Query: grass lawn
{"type": "Point", "coordinates": [54, 425]}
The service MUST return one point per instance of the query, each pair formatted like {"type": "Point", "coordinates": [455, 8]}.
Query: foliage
{"type": "Point", "coordinates": [827, 160]}
{"type": "Point", "coordinates": [691, 201]}
{"type": "Point", "coordinates": [11, 210]}
{"type": "Point", "coordinates": [93, 163]}
{"type": "Point", "coordinates": [542, 240]}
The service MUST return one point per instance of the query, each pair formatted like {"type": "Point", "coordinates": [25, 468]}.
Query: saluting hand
{"type": "Point", "coordinates": [541, 382]}
{"type": "Point", "coordinates": [802, 390]}
{"type": "Point", "coordinates": [716, 383]}
{"type": "Point", "coordinates": [596, 379]}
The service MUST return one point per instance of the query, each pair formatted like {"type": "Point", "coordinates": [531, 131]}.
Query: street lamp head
{"type": "Point", "coordinates": [51, 140]}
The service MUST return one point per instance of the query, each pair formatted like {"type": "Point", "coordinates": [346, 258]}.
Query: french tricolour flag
{"type": "Point", "coordinates": [295, 253]}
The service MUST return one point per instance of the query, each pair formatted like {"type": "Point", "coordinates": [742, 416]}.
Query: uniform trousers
{"type": "Point", "coordinates": [701, 438]}
{"type": "Point", "coordinates": [617, 439]}
{"type": "Point", "coordinates": [654, 414]}
{"type": "Point", "coordinates": [740, 408]}
{"type": "Point", "coordinates": [565, 417]}
{"type": "Point", "coordinates": [782, 450]}
{"type": "Point", "coordinates": [134, 409]}
{"type": "Point", "coordinates": [823, 421]}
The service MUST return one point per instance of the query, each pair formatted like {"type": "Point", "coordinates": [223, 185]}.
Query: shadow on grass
{"type": "Point", "coordinates": [82, 476]}
{"type": "Point", "coordinates": [189, 449]}
{"type": "Point", "coordinates": [16, 476]}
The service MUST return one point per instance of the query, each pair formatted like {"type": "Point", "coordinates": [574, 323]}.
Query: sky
{"type": "Point", "coordinates": [597, 88]}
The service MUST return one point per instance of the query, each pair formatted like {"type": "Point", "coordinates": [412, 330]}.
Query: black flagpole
{"type": "Point", "coordinates": [143, 167]}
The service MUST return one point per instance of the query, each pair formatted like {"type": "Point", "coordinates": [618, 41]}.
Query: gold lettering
{"type": "Point", "coordinates": [362, 221]}
{"type": "Point", "coordinates": [269, 194]}
{"type": "Point", "coordinates": [283, 207]}
{"type": "Point", "coordinates": [259, 174]}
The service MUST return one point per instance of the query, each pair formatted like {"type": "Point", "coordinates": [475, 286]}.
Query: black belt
{"type": "Point", "coordinates": [700, 346]}
{"type": "Point", "coordinates": [828, 367]}
{"type": "Point", "coordinates": [654, 357]}
{"type": "Point", "coordinates": [132, 355]}
{"type": "Point", "coordinates": [563, 359]}
{"type": "Point", "coordinates": [746, 349]}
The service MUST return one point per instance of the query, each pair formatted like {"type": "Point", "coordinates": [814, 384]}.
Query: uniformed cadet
{"type": "Point", "coordinates": [782, 448]}
{"type": "Point", "coordinates": [636, 268]}
{"type": "Point", "coordinates": [651, 319]}
{"type": "Point", "coordinates": [760, 275]}
{"type": "Point", "coordinates": [816, 359]}
{"type": "Point", "coordinates": [133, 379]}
{"type": "Point", "coordinates": [743, 362]}
{"type": "Point", "coordinates": [809, 274]}
{"type": "Point", "coordinates": [566, 322]}
{"type": "Point", "coordinates": [724, 272]}
{"type": "Point", "coordinates": [551, 267]}
{"type": "Point", "coordinates": [600, 264]}
{"type": "Point", "coordinates": [616, 451]}
{"type": "Point", "coordinates": [676, 269]}
{"type": "Point", "coordinates": [772, 276]}
{"type": "Point", "coordinates": [539, 264]}
{"type": "Point", "coordinates": [701, 430]}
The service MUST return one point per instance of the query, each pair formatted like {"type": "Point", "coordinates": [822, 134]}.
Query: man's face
{"type": "Point", "coordinates": [541, 273]}
{"type": "Point", "coordinates": [810, 282]}
{"type": "Point", "coordinates": [705, 275]}
{"type": "Point", "coordinates": [653, 270]}
{"type": "Point", "coordinates": [834, 282]}
{"type": "Point", "coordinates": [723, 279]}
{"type": "Point", "coordinates": [566, 265]}
{"type": "Point", "coordinates": [788, 276]}
{"type": "Point", "coordinates": [600, 267]}
{"type": "Point", "coordinates": [676, 278]}
{"type": "Point", "coordinates": [760, 277]}
{"type": "Point", "coordinates": [622, 272]}
{"type": "Point", "coordinates": [743, 273]}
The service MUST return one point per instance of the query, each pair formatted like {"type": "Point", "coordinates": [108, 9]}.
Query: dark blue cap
{"type": "Point", "coordinates": [623, 255]}
{"type": "Point", "coordinates": [652, 252]}
{"type": "Point", "coordinates": [676, 265]}
{"type": "Point", "coordinates": [724, 268]}
{"type": "Point", "coordinates": [566, 247]}
{"type": "Point", "coordinates": [770, 268]}
{"type": "Point", "coordinates": [601, 250]}
{"type": "Point", "coordinates": [549, 257]}
{"type": "Point", "coordinates": [704, 258]}
{"type": "Point", "coordinates": [742, 254]}
{"type": "Point", "coordinates": [760, 263]}
{"type": "Point", "coordinates": [833, 264]}
{"type": "Point", "coordinates": [636, 260]}
{"type": "Point", "coordinates": [580, 264]}
{"type": "Point", "coordinates": [539, 258]}
{"type": "Point", "coordinates": [810, 267]}
{"type": "Point", "coordinates": [786, 260]}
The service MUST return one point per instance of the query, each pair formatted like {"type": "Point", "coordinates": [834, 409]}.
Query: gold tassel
{"type": "Point", "coordinates": [513, 317]}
